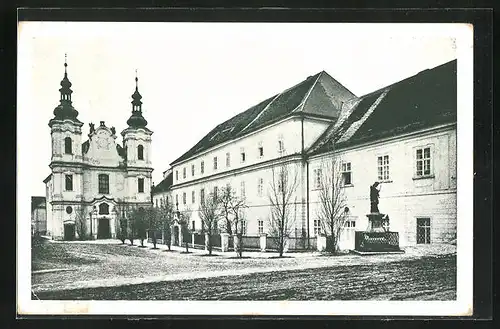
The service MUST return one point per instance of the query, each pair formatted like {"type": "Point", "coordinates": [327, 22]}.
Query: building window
{"type": "Point", "coordinates": [202, 167]}
{"type": "Point", "coordinates": [156, 203]}
{"type": "Point", "coordinates": [215, 163]}
{"type": "Point", "coordinates": [243, 227]}
{"type": "Point", "coordinates": [261, 226]}
{"type": "Point", "coordinates": [192, 197]}
{"type": "Point", "coordinates": [184, 173]}
{"type": "Point", "coordinates": [260, 187]}
{"type": "Point", "coordinates": [193, 226]}
{"type": "Point", "coordinates": [176, 175]}
{"type": "Point", "coordinates": [69, 210]}
{"type": "Point", "coordinates": [176, 199]}
{"type": "Point", "coordinates": [281, 147]}
{"type": "Point", "coordinates": [140, 185]}
{"type": "Point", "coordinates": [242, 155]}
{"type": "Point", "coordinates": [423, 162]}
{"type": "Point", "coordinates": [423, 230]}
{"type": "Point", "coordinates": [317, 173]}
{"type": "Point", "coordinates": [184, 198]}
{"type": "Point", "coordinates": [67, 145]}
{"type": "Point", "coordinates": [69, 182]}
{"type": "Point", "coordinates": [350, 223]}
{"type": "Point", "coordinates": [192, 170]}
{"type": "Point", "coordinates": [228, 159]}
{"type": "Point", "coordinates": [215, 192]}
{"type": "Point", "coordinates": [261, 150]}
{"type": "Point", "coordinates": [103, 209]}
{"type": "Point", "coordinates": [281, 180]}
{"type": "Point", "coordinates": [242, 185]}
{"type": "Point", "coordinates": [202, 195]}
{"type": "Point", "coordinates": [103, 183]}
{"type": "Point", "coordinates": [383, 168]}
{"type": "Point", "coordinates": [346, 173]}
{"type": "Point", "coordinates": [140, 152]}
{"type": "Point", "coordinates": [317, 227]}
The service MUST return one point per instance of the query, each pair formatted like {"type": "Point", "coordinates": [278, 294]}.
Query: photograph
{"type": "Point", "coordinates": [244, 168]}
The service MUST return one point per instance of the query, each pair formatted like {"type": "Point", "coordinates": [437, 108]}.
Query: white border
{"type": "Point", "coordinates": [461, 307]}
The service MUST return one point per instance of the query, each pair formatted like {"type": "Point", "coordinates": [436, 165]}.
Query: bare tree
{"type": "Point", "coordinates": [131, 227]}
{"type": "Point", "coordinates": [283, 203]}
{"type": "Point", "coordinates": [225, 202]}
{"type": "Point", "coordinates": [237, 205]}
{"type": "Point", "coordinates": [184, 217]}
{"type": "Point", "coordinates": [153, 223]}
{"type": "Point", "coordinates": [332, 203]}
{"type": "Point", "coordinates": [81, 222]}
{"type": "Point", "coordinates": [122, 211]}
{"type": "Point", "coordinates": [141, 224]}
{"type": "Point", "coordinates": [166, 218]}
{"type": "Point", "coordinates": [209, 214]}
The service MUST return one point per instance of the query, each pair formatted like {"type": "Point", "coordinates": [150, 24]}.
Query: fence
{"type": "Point", "coordinates": [376, 241]}
{"type": "Point", "coordinates": [199, 241]}
{"type": "Point", "coordinates": [250, 242]}
{"type": "Point", "coordinates": [216, 241]}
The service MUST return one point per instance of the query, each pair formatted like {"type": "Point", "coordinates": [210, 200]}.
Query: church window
{"type": "Point", "coordinates": [103, 209]}
{"type": "Point", "coordinates": [103, 184]}
{"type": "Point", "coordinates": [69, 182]}
{"type": "Point", "coordinates": [69, 210]}
{"type": "Point", "coordinates": [140, 185]}
{"type": "Point", "coordinates": [67, 145]}
{"type": "Point", "coordinates": [140, 152]}
{"type": "Point", "coordinates": [202, 167]}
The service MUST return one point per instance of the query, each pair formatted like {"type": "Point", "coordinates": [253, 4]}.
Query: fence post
{"type": "Point", "coordinates": [263, 240]}
{"type": "Point", "coordinates": [321, 242]}
{"type": "Point", "coordinates": [192, 239]}
{"type": "Point", "coordinates": [236, 243]}
{"type": "Point", "coordinates": [224, 242]}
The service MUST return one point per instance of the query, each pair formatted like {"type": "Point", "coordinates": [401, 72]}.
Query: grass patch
{"type": "Point", "coordinates": [242, 257]}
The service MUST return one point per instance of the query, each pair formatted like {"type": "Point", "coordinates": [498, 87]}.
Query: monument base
{"type": "Point", "coordinates": [376, 239]}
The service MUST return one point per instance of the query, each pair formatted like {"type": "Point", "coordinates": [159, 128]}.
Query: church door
{"type": "Point", "coordinates": [103, 229]}
{"type": "Point", "coordinates": [69, 232]}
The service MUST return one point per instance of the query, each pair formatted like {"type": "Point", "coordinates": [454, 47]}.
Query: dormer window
{"type": "Point", "coordinates": [68, 145]}
{"type": "Point", "coordinates": [140, 152]}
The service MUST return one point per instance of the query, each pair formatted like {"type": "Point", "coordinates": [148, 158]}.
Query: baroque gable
{"type": "Point", "coordinates": [102, 149]}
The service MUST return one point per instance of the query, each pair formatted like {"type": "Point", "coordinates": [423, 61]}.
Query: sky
{"type": "Point", "coordinates": [193, 76]}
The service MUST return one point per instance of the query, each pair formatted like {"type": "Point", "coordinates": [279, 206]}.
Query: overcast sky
{"type": "Point", "coordinates": [193, 76]}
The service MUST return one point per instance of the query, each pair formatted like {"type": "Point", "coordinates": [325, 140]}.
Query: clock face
{"type": "Point", "coordinates": [103, 141]}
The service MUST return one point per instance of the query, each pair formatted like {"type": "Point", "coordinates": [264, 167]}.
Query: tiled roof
{"type": "Point", "coordinates": [37, 201]}
{"type": "Point", "coordinates": [421, 101]}
{"type": "Point", "coordinates": [317, 95]}
{"type": "Point", "coordinates": [164, 185]}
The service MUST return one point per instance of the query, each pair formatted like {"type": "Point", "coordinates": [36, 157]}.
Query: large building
{"type": "Point", "coordinates": [403, 136]}
{"type": "Point", "coordinates": [90, 181]}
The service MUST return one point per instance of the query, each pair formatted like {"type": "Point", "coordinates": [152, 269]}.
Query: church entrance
{"type": "Point", "coordinates": [69, 232]}
{"type": "Point", "coordinates": [176, 236]}
{"type": "Point", "coordinates": [103, 229]}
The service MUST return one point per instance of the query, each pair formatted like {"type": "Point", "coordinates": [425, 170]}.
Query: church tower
{"type": "Point", "coordinates": [66, 163]}
{"type": "Point", "coordinates": [137, 144]}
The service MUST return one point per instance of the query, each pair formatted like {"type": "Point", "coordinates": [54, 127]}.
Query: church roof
{"type": "Point", "coordinates": [164, 185]}
{"type": "Point", "coordinates": [424, 100]}
{"type": "Point", "coordinates": [318, 95]}
{"type": "Point", "coordinates": [37, 202]}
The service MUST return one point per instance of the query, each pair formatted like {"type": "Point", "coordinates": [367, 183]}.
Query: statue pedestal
{"type": "Point", "coordinates": [376, 239]}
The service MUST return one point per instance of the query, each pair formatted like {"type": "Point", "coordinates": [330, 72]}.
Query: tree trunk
{"type": "Point", "coordinates": [240, 245]}
{"type": "Point", "coordinates": [187, 246]}
{"type": "Point", "coordinates": [209, 244]}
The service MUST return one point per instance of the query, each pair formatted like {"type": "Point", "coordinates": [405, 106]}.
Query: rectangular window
{"type": "Point", "coordinates": [350, 223]}
{"type": "Point", "coordinates": [176, 175]}
{"type": "Point", "coordinates": [192, 170]}
{"type": "Point", "coordinates": [215, 192]}
{"type": "Point", "coordinates": [156, 203]}
{"type": "Point", "coordinates": [244, 227]}
{"type": "Point", "coordinates": [202, 195]}
{"type": "Point", "coordinates": [215, 163]}
{"type": "Point", "coordinates": [67, 145]}
{"type": "Point", "coordinates": [281, 147]}
{"type": "Point", "coordinates": [383, 168]}
{"type": "Point", "coordinates": [261, 226]}
{"type": "Point", "coordinates": [317, 227]}
{"type": "Point", "coordinates": [193, 197]}
{"type": "Point", "coordinates": [183, 197]}
{"type": "Point", "coordinates": [423, 162]}
{"type": "Point", "coordinates": [140, 185]}
{"type": "Point", "coordinates": [242, 155]}
{"type": "Point", "coordinates": [176, 199]}
{"type": "Point", "coordinates": [193, 225]}
{"type": "Point", "coordinates": [69, 183]}
{"type": "Point", "coordinates": [184, 172]}
{"type": "Point", "coordinates": [346, 173]}
{"type": "Point", "coordinates": [281, 181]}
{"type": "Point", "coordinates": [317, 178]}
{"type": "Point", "coordinates": [423, 230]}
{"type": "Point", "coordinates": [260, 187]}
{"type": "Point", "coordinates": [242, 189]}
{"type": "Point", "coordinates": [261, 150]}
{"type": "Point", "coordinates": [228, 159]}
{"type": "Point", "coordinates": [202, 167]}
{"type": "Point", "coordinates": [103, 180]}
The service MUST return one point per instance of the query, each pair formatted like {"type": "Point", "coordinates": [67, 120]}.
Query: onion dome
{"type": "Point", "coordinates": [136, 120]}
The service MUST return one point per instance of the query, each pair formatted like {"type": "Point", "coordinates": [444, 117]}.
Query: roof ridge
{"type": "Point", "coordinates": [260, 113]}
{"type": "Point", "coordinates": [304, 100]}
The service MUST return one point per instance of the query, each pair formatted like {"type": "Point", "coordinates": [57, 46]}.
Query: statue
{"type": "Point", "coordinates": [113, 131]}
{"type": "Point", "coordinates": [374, 195]}
{"type": "Point", "coordinates": [91, 127]}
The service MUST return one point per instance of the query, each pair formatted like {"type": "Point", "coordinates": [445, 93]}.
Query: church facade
{"type": "Point", "coordinates": [92, 180]}
{"type": "Point", "coordinates": [402, 136]}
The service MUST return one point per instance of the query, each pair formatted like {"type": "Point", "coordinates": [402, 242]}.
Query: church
{"type": "Point", "coordinates": [91, 181]}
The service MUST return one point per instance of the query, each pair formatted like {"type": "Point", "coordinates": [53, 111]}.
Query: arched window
{"type": "Point", "coordinates": [67, 145]}
{"type": "Point", "coordinates": [140, 152]}
{"type": "Point", "coordinates": [103, 209]}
